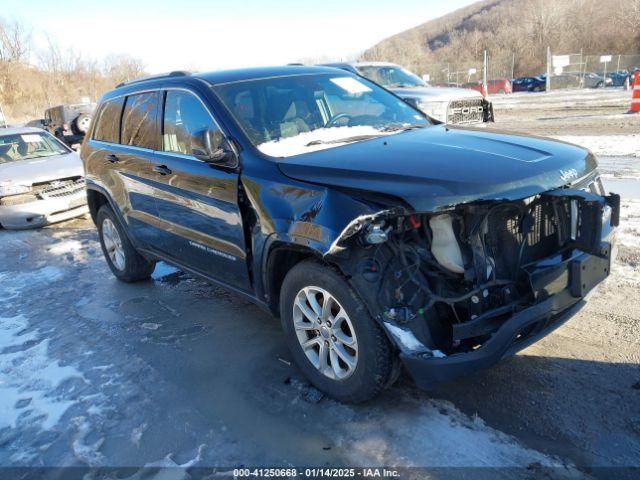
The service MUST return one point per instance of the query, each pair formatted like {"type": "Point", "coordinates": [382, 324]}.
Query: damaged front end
{"type": "Point", "coordinates": [460, 289]}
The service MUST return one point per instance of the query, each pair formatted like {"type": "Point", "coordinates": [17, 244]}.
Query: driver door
{"type": "Point", "coordinates": [197, 201]}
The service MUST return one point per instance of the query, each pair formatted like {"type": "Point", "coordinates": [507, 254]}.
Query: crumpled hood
{"type": "Point", "coordinates": [38, 170]}
{"type": "Point", "coordinates": [436, 94]}
{"type": "Point", "coordinates": [436, 167]}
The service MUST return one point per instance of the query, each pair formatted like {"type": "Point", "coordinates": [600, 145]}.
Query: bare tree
{"type": "Point", "coordinates": [15, 41]}
{"type": "Point", "coordinates": [122, 68]}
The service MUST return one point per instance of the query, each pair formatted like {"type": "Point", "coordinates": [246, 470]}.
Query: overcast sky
{"type": "Point", "coordinates": [213, 34]}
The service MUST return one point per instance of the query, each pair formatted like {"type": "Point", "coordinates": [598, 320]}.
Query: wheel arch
{"type": "Point", "coordinates": [95, 200]}
{"type": "Point", "coordinates": [279, 258]}
{"type": "Point", "coordinates": [97, 196]}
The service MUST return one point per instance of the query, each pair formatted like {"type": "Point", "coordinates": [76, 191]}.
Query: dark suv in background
{"type": "Point", "coordinates": [373, 233]}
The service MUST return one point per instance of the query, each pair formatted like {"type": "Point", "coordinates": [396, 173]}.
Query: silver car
{"type": "Point", "coordinates": [460, 106]}
{"type": "Point", "coordinates": [41, 180]}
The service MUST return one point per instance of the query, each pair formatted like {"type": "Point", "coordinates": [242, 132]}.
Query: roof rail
{"type": "Point", "coordinates": [176, 73]}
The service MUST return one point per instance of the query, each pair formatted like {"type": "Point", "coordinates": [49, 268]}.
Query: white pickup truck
{"type": "Point", "coordinates": [456, 106]}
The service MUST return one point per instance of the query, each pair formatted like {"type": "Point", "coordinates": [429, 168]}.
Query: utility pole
{"type": "Point", "coordinates": [581, 60]}
{"type": "Point", "coordinates": [513, 65]}
{"type": "Point", "coordinates": [548, 79]}
{"type": "Point", "coordinates": [484, 73]}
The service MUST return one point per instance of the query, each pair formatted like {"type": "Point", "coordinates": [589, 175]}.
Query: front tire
{"type": "Point", "coordinates": [123, 259]}
{"type": "Point", "coordinates": [332, 337]}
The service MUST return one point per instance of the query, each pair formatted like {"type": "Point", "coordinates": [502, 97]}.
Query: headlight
{"type": "Point", "coordinates": [8, 188]}
{"type": "Point", "coordinates": [437, 110]}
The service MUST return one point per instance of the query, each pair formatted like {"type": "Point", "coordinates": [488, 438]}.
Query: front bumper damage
{"type": "Point", "coordinates": [55, 202]}
{"type": "Point", "coordinates": [578, 275]}
{"type": "Point", "coordinates": [459, 324]}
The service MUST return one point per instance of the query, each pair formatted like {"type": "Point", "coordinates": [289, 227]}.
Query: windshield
{"type": "Point", "coordinates": [392, 77]}
{"type": "Point", "coordinates": [26, 146]}
{"type": "Point", "coordinates": [291, 115]}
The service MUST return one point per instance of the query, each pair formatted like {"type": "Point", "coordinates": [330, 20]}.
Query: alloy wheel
{"type": "Point", "coordinates": [113, 244]}
{"type": "Point", "coordinates": [325, 333]}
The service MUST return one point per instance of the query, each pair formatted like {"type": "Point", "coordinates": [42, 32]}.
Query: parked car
{"type": "Point", "coordinates": [618, 78]}
{"type": "Point", "coordinates": [455, 106]}
{"type": "Point", "coordinates": [529, 84]}
{"type": "Point", "coordinates": [69, 123]}
{"type": "Point", "coordinates": [595, 80]}
{"type": "Point", "coordinates": [376, 234]}
{"type": "Point", "coordinates": [566, 80]}
{"type": "Point", "coordinates": [41, 180]}
{"type": "Point", "coordinates": [497, 86]}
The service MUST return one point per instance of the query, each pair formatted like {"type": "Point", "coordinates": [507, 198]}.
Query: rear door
{"type": "Point", "coordinates": [197, 201]}
{"type": "Point", "coordinates": [126, 136]}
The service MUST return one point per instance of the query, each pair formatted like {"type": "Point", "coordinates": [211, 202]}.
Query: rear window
{"type": "Point", "coordinates": [140, 121]}
{"type": "Point", "coordinates": [108, 121]}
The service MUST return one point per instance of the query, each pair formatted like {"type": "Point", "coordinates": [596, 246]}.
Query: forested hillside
{"type": "Point", "coordinates": [32, 80]}
{"type": "Point", "coordinates": [517, 30]}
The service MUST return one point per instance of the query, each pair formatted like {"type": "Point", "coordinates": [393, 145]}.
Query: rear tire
{"type": "Point", "coordinates": [123, 259]}
{"type": "Point", "coordinates": [343, 330]}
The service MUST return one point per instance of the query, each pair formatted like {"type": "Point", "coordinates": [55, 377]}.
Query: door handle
{"type": "Point", "coordinates": [162, 170]}
{"type": "Point", "coordinates": [112, 158]}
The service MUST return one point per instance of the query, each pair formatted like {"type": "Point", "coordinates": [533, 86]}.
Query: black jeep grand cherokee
{"type": "Point", "coordinates": [375, 233]}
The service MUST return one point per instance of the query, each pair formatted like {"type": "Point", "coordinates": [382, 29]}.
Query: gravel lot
{"type": "Point", "coordinates": [175, 372]}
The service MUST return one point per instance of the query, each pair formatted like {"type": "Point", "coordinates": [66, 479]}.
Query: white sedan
{"type": "Point", "coordinates": [41, 180]}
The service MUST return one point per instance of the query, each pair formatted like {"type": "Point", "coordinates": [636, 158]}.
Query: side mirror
{"type": "Point", "coordinates": [221, 154]}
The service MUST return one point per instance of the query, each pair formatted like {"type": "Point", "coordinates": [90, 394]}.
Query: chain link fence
{"type": "Point", "coordinates": [591, 71]}
{"type": "Point", "coordinates": [566, 71]}
{"type": "Point", "coordinates": [453, 74]}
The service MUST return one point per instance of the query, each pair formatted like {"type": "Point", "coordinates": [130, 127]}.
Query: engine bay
{"type": "Point", "coordinates": [443, 283]}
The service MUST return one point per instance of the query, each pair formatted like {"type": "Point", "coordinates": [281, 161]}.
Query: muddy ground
{"type": "Point", "coordinates": [177, 372]}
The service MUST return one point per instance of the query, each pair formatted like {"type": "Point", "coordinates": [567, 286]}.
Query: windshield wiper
{"type": "Point", "coordinates": [398, 128]}
{"type": "Point", "coordinates": [355, 138]}
{"type": "Point", "coordinates": [400, 85]}
{"type": "Point", "coordinates": [40, 156]}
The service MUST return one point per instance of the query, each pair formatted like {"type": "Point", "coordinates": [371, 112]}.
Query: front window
{"type": "Point", "coordinates": [186, 121]}
{"type": "Point", "coordinates": [26, 146]}
{"type": "Point", "coordinates": [298, 114]}
{"type": "Point", "coordinates": [392, 77]}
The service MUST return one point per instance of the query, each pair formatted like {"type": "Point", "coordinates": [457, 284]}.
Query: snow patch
{"type": "Point", "coordinates": [606, 145]}
{"type": "Point", "coordinates": [435, 434]}
{"type": "Point", "coordinates": [29, 378]}
{"type": "Point", "coordinates": [287, 147]}
{"type": "Point", "coordinates": [136, 434]}
{"type": "Point", "coordinates": [64, 247]}
{"type": "Point", "coordinates": [18, 283]}
{"type": "Point", "coordinates": [89, 454]}
{"type": "Point", "coordinates": [169, 462]}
